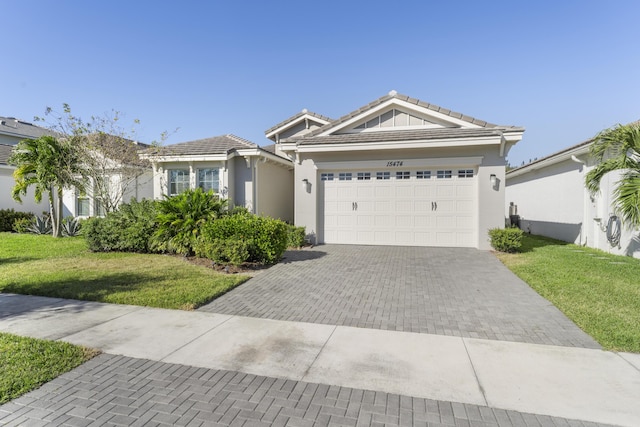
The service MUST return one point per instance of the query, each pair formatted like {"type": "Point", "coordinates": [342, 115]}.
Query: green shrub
{"type": "Point", "coordinates": [40, 225]}
{"type": "Point", "coordinates": [231, 251]}
{"type": "Point", "coordinates": [71, 227]}
{"type": "Point", "coordinates": [180, 219]}
{"type": "Point", "coordinates": [9, 216]}
{"type": "Point", "coordinates": [129, 229]}
{"type": "Point", "coordinates": [506, 239]}
{"type": "Point", "coordinates": [295, 236]}
{"type": "Point", "coordinates": [21, 225]}
{"type": "Point", "coordinates": [264, 238]}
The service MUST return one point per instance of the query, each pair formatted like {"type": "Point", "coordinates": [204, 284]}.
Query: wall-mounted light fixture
{"type": "Point", "coordinates": [306, 185]}
{"type": "Point", "coordinates": [493, 179]}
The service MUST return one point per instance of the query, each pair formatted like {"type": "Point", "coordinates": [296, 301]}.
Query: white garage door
{"type": "Point", "coordinates": [425, 207]}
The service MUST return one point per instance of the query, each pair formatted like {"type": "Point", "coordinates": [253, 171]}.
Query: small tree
{"type": "Point", "coordinates": [49, 165]}
{"type": "Point", "coordinates": [618, 149]}
{"type": "Point", "coordinates": [109, 152]}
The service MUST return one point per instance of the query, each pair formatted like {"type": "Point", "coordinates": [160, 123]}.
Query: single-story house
{"type": "Point", "coordinates": [397, 171]}
{"type": "Point", "coordinates": [551, 199]}
{"type": "Point", "coordinates": [239, 170]}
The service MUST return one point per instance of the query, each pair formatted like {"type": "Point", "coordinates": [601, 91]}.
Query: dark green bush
{"type": "Point", "coordinates": [129, 229]}
{"type": "Point", "coordinates": [264, 238]}
{"type": "Point", "coordinates": [506, 239]}
{"type": "Point", "coordinates": [295, 236]}
{"type": "Point", "coordinates": [180, 219]}
{"type": "Point", "coordinates": [9, 216]}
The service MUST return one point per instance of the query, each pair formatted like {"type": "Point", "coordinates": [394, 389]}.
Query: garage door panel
{"type": "Point", "coordinates": [423, 212]}
{"type": "Point", "coordinates": [404, 206]}
{"type": "Point", "coordinates": [404, 220]}
{"type": "Point", "coordinates": [383, 191]}
{"type": "Point", "coordinates": [465, 191]}
{"type": "Point", "coordinates": [383, 221]}
{"type": "Point", "coordinates": [404, 191]}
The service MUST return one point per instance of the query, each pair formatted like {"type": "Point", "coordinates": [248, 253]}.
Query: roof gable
{"type": "Point", "coordinates": [297, 125]}
{"type": "Point", "coordinates": [409, 113]}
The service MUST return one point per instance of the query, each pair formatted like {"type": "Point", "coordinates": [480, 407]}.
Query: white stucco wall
{"type": "Point", "coordinates": [550, 201]}
{"type": "Point", "coordinates": [28, 202]}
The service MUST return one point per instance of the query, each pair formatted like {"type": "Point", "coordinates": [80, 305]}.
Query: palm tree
{"type": "Point", "coordinates": [618, 149]}
{"type": "Point", "coordinates": [49, 165]}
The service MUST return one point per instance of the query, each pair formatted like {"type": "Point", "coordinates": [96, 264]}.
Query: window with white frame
{"type": "Point", "coordinates": [364, 176]}
{"type": "Point", "coordinates": [178, 181]}
{"type": "Point", "coordinates": [443, 174]}
{"type": "Point", "coordinates": [403, 174]}
{"type": "Point", "coordinates": [383, 175]}
{"type": "Point", "coordinates": [326, 176]}
{"type": "Point", "coordinates": [82, 204]}
{"type": "Point", "coordinates": [209, 179]}
{"type": "Point", "coordinates": [423, 174]}
{"type": "Point", "coordinates": [344, 176]}
{"type": "Point", "coordinates": [465, 173]}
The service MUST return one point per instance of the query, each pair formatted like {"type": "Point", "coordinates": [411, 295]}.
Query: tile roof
{"type": "Point", "coordinates": [392, 95]}
{"type": "Point", "coordinates": [20, 128]}
{"type": "Point", "coordinates": [222, 144]}
{"type": "Point", "coordinates": [402, 135]}
{"type": "Point", "coordinates": [269, 148]}
{"type": "Point", "coordinates": [296, 117]}
{"type": "Point", "coordinates": [5, 152]}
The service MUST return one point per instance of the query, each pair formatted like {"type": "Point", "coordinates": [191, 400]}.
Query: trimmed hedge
{"type": "Point", "coordinates": [506, 239]}
{"type": "Point", "coordinates": [129, 229]}
{"type": "Point", "coordinates": [240, 238]}
{"type": "Point", "coordinates": [9, 216]}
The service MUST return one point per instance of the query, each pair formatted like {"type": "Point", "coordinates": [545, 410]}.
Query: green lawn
{"type": "Point", "coordinates": [64, 267]}
{"type": "Point", "coordinates": [598, 291]}
{"type": "Point", "coordinates": [27, 363]}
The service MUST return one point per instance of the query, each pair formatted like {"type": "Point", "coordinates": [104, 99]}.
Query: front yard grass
{"type": "Point", "coordinates": [65, 268]}
{"type": "Point", "coordinates": [27, 363]}
{"type": "Point", "coordinates": [597, 291]}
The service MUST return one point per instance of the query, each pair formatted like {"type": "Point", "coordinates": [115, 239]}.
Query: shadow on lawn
{"type": "Point", "coordinates": [15, 260]}
{"type": "Point", "coordinates": [530, 242]}
{"type": "Point", "coordinates": [81, 289]}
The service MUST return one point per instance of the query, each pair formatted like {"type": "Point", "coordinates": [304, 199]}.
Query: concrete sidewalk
{"type": "Point", "coordinates": [574, 383]}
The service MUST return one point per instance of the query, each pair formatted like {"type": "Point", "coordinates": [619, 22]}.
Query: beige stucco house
{"type": "Point", "coordinates": [239, 170]}
{"type": "Point", "coordinates": [398, 171]}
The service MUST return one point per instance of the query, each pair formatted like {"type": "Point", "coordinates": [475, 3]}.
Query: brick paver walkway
{"type": "Point", "coordinates": [121, 391]}
{"type": "Point", "coordinates": [446, 291]}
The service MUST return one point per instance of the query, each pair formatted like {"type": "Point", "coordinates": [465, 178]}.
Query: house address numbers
{"type": "Point", "coordinates": [394, 163]}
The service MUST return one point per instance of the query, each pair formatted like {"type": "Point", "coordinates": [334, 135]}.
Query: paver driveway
{"type": "Point", "coordinates": [446, 291]}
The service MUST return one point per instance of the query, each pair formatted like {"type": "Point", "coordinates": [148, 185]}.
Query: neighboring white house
{"type": "Point", "coordinates": [552, 200]}
{"type": "Point", "coordinates": [397, 171]}
{"type": "Point", "coordinates": [12, 131]}
{"type": "Point", "coordinates": [75, 204]}
{"type": "Point", "coordinates": [239, 170]}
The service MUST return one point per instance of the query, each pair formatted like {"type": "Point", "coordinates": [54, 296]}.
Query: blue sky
{"type": "Point", "coordinates": [562, 69]}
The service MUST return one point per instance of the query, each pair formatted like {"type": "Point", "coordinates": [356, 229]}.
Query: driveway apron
{"type": "Point", "coordinates": [447, 291]}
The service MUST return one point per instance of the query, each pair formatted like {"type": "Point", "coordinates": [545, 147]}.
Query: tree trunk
{"type": "Point", "coordinates": [56, 215]}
